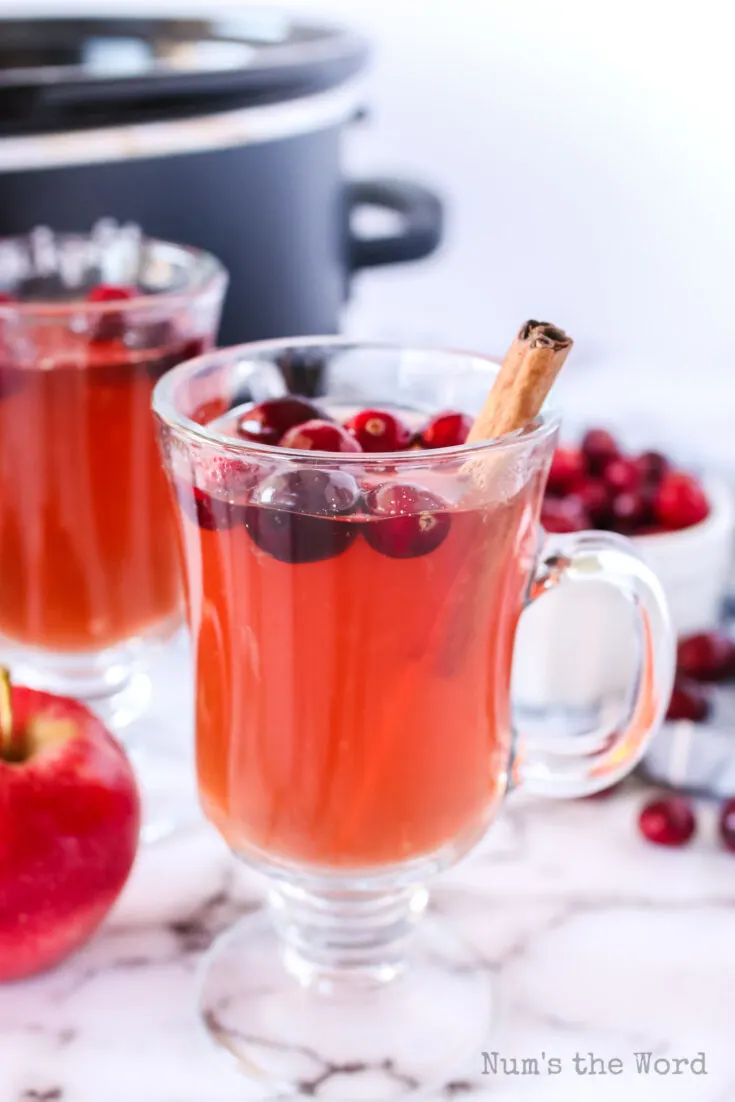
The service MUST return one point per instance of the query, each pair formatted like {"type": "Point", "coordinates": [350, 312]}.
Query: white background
{"type": "Point", "coordinates": [586, 153]}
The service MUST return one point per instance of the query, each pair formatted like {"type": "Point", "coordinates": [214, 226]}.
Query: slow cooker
{"type": "Point", "coordinates": [223, 133]}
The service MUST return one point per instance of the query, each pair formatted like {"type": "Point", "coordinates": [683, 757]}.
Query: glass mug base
{"type": "Point", "coordinates": [115, 684]}
{"type": "Point", "coordinates": [378, 1004]}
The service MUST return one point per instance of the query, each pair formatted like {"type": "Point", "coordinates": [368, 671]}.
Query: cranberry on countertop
{"type": "Point", "coordinates": [321, 436]}
{"type": "Point", "coordinates": [448, 429]}
{"type": "Point", "coordinates": [709, 656]}
{"type": "Point", "coordinates": [599, 447]}
{"type": "Point", "coordinates": [408, 521]}
{"type": "Point", "coordinates": [567, 471]}
{"type": "Point", "coordinates": [668, 822]}
{"type": "Point", "coordinates": [726, 824]}
{"type": "Point", "coordinates": [688, 701]}
{"type": "Point", "coordinates": [680, 501]}
{"type": "Point", "coordinates": [377, 430]}
{"type": "Point", "coordinates": [266, 422]}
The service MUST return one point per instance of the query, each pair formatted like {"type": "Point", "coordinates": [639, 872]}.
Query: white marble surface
{"type": "Point", "coordinates": [598, 943]}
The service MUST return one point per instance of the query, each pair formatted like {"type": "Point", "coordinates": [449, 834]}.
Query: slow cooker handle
{"type": "Point", "coordinates": [420, 234]}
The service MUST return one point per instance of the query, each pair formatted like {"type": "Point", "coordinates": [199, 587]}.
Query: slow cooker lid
{"type": "Point", "coordinates": [58, 74]}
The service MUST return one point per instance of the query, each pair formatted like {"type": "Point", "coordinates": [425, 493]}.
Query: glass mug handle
{"type": "Point", "coordinates": [579, 765]}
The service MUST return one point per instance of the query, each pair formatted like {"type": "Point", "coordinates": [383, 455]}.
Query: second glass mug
{"type": "Point", "coordinates": [89, 574]}
{"type": "Point", "coordinates": [353, 713]}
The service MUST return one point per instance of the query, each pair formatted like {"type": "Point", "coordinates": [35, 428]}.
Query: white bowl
{"type": "Point", "coordinates": [575, 649]}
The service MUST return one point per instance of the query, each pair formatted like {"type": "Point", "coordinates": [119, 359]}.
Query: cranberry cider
{"type": "Point", "coordinates": [353, 636]}
{"type": "Point", "coordinates": [87, 542]}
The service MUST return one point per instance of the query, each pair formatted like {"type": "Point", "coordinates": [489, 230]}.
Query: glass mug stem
{"type": "Point", "coordinates": [331, 935]}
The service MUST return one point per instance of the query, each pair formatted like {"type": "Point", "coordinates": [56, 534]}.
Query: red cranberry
{"type": "Point", "coordinates": [567, 471]}
{"type": "Point", "coordinates": [652, 466]}
{"type": "Point", "coordinates": [376, 430]}
{"type": "Point", "coordinates": [448, 429]}
{"type": "Point", "coordinates": [210, 512]}
{"type": "Point", "coordinates": [267, 422]}
{"type": "Point", "coordinates": [668, 822]}
{"type": "Point", "coordinates": [599, 447]}
{"type": "Point", "coordinates": [298, 516]}
{"type": "Point", "coordinates": [622, 476]}
{"type": "Point", "coordinates": [726, 824]}
{"type": "Point", "coordinates": [688, 701]}
{"type": "Point", "coordinates": [629, 512]}
{"type": "Point", "coordinates": [107, 292]}
{"type": "Point", "coordinates": [320, 436]}
{"type": "Point", "coordinates": [6, 299]}
{"type": "Point", "coordinates": [560, 515]}
{"type": "Point", "coordinates": [680, 501]}
{"type": "Point", "coordinates": [110, 325]}
{"type": "Point", "coordinates": [595, 498]}
{"type": "Point", "coordinates": [408, 521]}
{"type": "Point", "coordinates": [233, 477]}
{"type": "Point", "coordinates": [709, 656]}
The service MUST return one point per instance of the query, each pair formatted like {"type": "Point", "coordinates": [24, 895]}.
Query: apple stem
{"type": "Point", "coordinates": [6, 712]}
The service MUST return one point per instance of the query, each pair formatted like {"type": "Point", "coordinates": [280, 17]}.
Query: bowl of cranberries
{"type": "Point", "coordinates": [681, 524]}
{"type": "Point", "coordinates": [575, 651]}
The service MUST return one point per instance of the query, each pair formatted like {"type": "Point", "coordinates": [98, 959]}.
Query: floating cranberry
{"type": "Point", "coordinates": [267, 422]}
{"type": "Point", "coordinates": [448, 429]}
{"type": "Point", "coordinates": [561, 515]}
{"type": "Point", "coordinates": [652, 466]}
{"type": "Point", "coordinates": [110, 325]}
{"type": "Point", "coordinates": [233, 477]}
{"type": "Point", "coordinates": [377, 430]}
{"type": "Point", "coordinates": [108, 292]}
{"type": "Point", "coordinates": [408, 521]}
{"type": "Point", "coordinates": [629, 512]}
{"type": "Point", "coordinates": [668, 822]}
{"type": "Point", "coordinates": [567, 471]}
{"type": "Point", "coordinates": [622, 476]}
{"type": "Point", "coordinates": [709, 656]}
{"type": "Point", "coordinates": [596, 500]}
{"type": "Point", "coordinates": [726, 824]}
{"type": "Point", "coordinates": [688, 701]}
{"type": "Point", "coordinates": [599, 447]}
{"type": "Point", "coordinates": [680, 501]}
{"type": "Point", "coordinates": [299, 516]}
{"type": "Point", "coordinates": [210, 512]}
{"type": "Point", "coordinates": [320, 436]}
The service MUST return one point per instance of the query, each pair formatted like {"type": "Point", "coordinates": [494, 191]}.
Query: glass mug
{"type": "Point", "coordinates": [353, 713]}
{"type": "Point", "coordinates": [89, 569]}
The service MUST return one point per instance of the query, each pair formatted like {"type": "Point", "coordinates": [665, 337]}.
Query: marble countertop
{"type": "Point", "coordinates": [599, 943]}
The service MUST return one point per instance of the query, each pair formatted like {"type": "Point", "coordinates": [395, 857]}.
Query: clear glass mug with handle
{"type": "Point", "coordinates": [353, 618]}
{"type": "Point", "coordinates": [90, 583]}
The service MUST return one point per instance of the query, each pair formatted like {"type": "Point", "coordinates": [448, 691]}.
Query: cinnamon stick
{"type": "Point", "coordinates": [526, 376]}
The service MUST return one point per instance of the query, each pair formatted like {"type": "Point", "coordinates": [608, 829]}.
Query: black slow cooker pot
{"type": "Point", "coordinates": [220, 133]}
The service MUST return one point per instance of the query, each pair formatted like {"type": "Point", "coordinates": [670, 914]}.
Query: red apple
{"type": "Point", "coordinates": [69, 821]}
